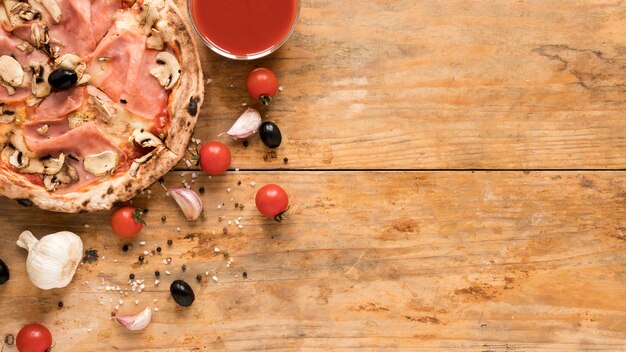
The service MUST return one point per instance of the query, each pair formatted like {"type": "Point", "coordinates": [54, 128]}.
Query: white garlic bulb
{"type": "Point", "coordinates": [52, 261]}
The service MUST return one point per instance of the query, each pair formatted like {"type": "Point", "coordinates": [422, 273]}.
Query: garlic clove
{"type": "Point", "coordinates": [136, 322]}
{"type": "Point", "coordinates": [246, 125]}
{"type": "Point", "coordinates": [52, 261]}
{"type": "Point", "coordinates": [188, 201]}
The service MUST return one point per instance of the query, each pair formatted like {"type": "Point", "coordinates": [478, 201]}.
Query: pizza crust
{"type": "Point", "coordinates": [184, 105]}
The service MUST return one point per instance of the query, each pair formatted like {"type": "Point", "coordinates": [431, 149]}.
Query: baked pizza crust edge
{"type": "Point", "coordinates": [184, 104]}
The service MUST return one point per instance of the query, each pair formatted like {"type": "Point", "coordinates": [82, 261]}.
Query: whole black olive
{"type": "Point", "coordinates": [270, 134]}
{"type": "Point", "coordinates": [4, 272]}
{"type": "Point", "coordinates": [182, 293]}
{"type": "Point", "coordinates": [62, 78]}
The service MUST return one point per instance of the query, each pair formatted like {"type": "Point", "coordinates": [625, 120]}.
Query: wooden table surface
{"type": "Point", "coordinates": [457, 177]}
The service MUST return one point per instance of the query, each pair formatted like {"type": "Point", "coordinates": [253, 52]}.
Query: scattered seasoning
{"type": "Point", "coordinates": [286, 160]}
{"type": "Point", "coordinates": [161, 180]}
{"type": "Point", "coordinates": [141, 258]}
{"type": "Point", "coordinates": [131, 276]}
{"type": "Point", "coordinates": [199, 277]}
{"type": "Point", "coordinates": [60, 304]}
{"type": "Point", "coordinates": [123, 101]}
{"type": "Point", "coordinates": [169, 242]}
{"type": "Point", "coordinates": [159, 249]}
{"type": "Point", "coordinates": [201, 190]}
{"type": "Point", "coordinates": [238, 183]}
{"type": "Point", "coordinates": [245, 274]}
{"type": "Point", "coordinates": [145, 211]}
{"type": "Point", "coordinates": [241, 206]}
{"type": "Point", "coordinates": [9, 339]}
{"type": "Point", "coordinates": [125, 248]}
{"type": "Point", "coordinates": [157, 273]}
{"type": "Point", "coordinates": [236, 205]}
{"type": "Point", "coordinates": [184, 267]}
{"type": "Point", "coordinates": [245, 144]}
{"type": "Point", "coordinates": [163, 218]}
{"type": "Point", "coordinates": [225, 230]}
{"type": "Point", "coordinates": [152, 252]}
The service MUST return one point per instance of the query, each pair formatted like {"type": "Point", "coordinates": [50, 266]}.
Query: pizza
{"type": "Point", "coordinates": [98, 99]}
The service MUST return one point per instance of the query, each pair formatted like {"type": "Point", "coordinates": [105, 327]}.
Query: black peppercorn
{"type": "Point", "coordinates": [163, 218]}
{"type": "Point", "coordinates": [125, 248]}
{"type": "Point", "coordinates": [184, 267]}
{"type": "Point", "coordinates": [145, 211]}
{"type": "Point", "coordinates": [131, 276]}
{"type": "Point", "coordinates": [238, 183]}
{"type": "Point", "coordinates": [199, 277]}
{"type": "Point", "coordinates": [169, 242]}
{"type": "Point", "coordinates": [201, 190]}
{"type": "Point", "coordinates": [157, 273]}
{"type": "Point", "coordinates": [286, 160]}
{"type": "Point", "coordinates": [245, 274]}
{"type": "Point", "coordinates": [141, 258]}
{"type": "Point", "coordinates": [159, 249]}
{"type": "Point", "coordinates": [161, 180]}
{"type": "Point", "coordinates": [245, 143]}
{"type": "Point", "coordinates": [60, 304]}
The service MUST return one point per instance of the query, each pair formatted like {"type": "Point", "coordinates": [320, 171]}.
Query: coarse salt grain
{"type": "Point", "coordinates": [216, 249]}
{"type": "Point", "coordinates": [156, 309]}
{"type": "Point", "coordinates": [136, 301]}
{"type": "Point", "coordinates": [167, 272]}
{"type": "Point", "coordinates": [241, 226]}
{"type": "Point", "coordinates": [280, 88]}
{"type": "Point", "coordinates": [214, 278]}
{"type": "Point", "coordinates": [229, 189]}
{"type": "Point", "coordinates": [157, 281]}
{"type": "Point", "coordinates": [252, 184]}
{"type": "Point", "coordinates": [188, 163]}
{"type": "Point", "coordinates": [146, 252]}
{"type": "Point", "coordinates": [142, 243]}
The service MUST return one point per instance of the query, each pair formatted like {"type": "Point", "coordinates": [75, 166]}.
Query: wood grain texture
{"type": "Point", "coordinates": [378, 261]}
{"type": "Point", "coordinates": [448, 84]}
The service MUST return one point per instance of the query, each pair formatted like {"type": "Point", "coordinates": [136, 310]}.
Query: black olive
{"type": "Point", "coordinates": [270, 134]}
{"type": "Point", "coordinates": [62, 78]}
{"type": "Point", "coordinates": [4, 272]}
{"type": "Point", "coordinates": [182, 293]}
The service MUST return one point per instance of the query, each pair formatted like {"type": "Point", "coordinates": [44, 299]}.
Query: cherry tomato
{"type": "Point", "coordinates": [262, 85]}
{"type": "Point", "coordinates": [127, 222]}
{"type": "Point", "coordinates": [272, 201]}
{"type": "Point", "coordinates": [214, 158]}
{"type": "Point", "coordinates": [33, 338]}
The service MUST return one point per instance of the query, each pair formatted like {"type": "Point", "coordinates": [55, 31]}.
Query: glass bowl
{"type": "Point", "coordinates": [230, 55]}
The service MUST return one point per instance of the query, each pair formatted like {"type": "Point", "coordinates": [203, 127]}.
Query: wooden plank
{"type": "Point", "coordinates": [430, 85]}
{"type": "Point", "coordinates": [419, 261]}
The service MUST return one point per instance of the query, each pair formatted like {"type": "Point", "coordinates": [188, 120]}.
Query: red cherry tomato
{"type": "Point", "coordinates": [262, 85]}
{"type": "Point", "coordinates": [214, 158]}
{"type": "Point", "coordinates": [127, 222]}
{"type": "Point", "coordinates": [272, 201]}
{"type": "Point", "coordinates": [33, 338]}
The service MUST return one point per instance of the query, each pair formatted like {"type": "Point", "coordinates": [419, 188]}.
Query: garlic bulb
{"type": "Point", "coordinates": [246, 125]}
{"type": "Point", "coordinates": [188, 201]}
{"type": "Point", "coordinates": [136, 322]}
{"type": "Point", "coordinates": [52, 261]}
